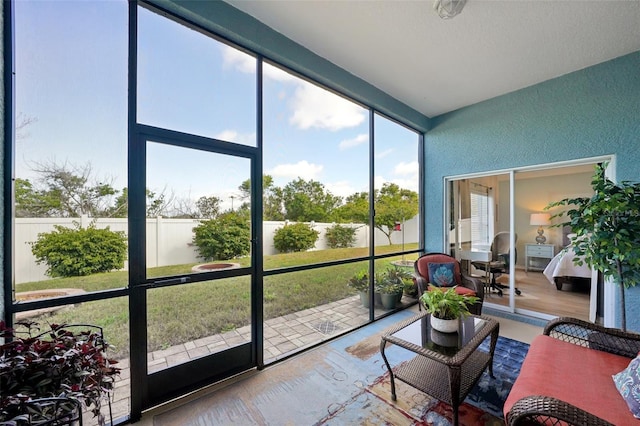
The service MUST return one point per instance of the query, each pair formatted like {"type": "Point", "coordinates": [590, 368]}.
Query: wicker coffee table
{"type": "Point", "coordinates": [447, 365]}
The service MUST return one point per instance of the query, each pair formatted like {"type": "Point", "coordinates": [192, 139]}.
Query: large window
{"type": "Point", "coordinates": [480, 217]}
{"type": "Point", "coordinates": [316, 171]}
{"type": "Point", "coordinates": [189, 82]}
{"type": "Point", "coordinates": [189, 139]}
{"type": "Point", "coordinates": [71, 142]}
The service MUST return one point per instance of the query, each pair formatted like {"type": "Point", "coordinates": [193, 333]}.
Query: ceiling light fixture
{"type": "Point", "coordinates": [447, 9]}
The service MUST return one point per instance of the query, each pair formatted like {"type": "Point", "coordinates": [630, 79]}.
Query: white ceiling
{"type": "Point", "coordinates": [435, 65]}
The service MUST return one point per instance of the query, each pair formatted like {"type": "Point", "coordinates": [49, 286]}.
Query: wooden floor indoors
{"type": "Point", "coordinates": [539, 295]}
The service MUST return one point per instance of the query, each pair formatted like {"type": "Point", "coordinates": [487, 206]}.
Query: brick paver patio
{"type": "Point", "coordinates": [282, 336]}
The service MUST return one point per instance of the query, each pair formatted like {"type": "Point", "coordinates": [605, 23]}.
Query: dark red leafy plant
{"type": "Point", "coordinates": [67, 362]}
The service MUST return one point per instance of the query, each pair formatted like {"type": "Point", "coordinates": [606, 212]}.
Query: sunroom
{"type": "Point", "coordinates": [258, 157]}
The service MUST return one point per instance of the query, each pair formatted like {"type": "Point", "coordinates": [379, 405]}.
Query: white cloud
{"type": "Point", "coordinates": [341, 188]}
{"type": "Point", "coordinates": [315, 107]}
{"type": "Point", "coordinates": [233, 136]}
{"type": "Point", "coordinates": [378, 181]}
{"type": "Point", "coordinates": [350, 143]}
{"type": "Point", "coordinates": [277, 74]}
{"type": "Point", "coordinates": [384, 153]}
{"type": "Point", "coordinates": [409, 183]}
{"type": "Point", "coordinates": [234, 58]}
{"type": "Point", "coordinates": [404, 169]}
{"type": "Point", "coordinates": [302, 169]}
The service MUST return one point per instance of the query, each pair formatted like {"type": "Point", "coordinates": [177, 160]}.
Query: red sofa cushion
{"type": "Point", "coordinates": [574, 374]}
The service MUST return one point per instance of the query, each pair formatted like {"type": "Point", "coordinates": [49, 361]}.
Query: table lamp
{"type": "Point", "coordinates": [540, 219]}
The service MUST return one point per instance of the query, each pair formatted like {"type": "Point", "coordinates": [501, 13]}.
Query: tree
{"type": "Point", "coordinates": [63, 190]}
{"type": "Point", "coordinates": [66, 190]}
{"type": "Point", "coordinates": [30, 202]}
{"type": "Point", "coordinates": [392, 204]}
{"type": "Point", "coordinates": [607, 228]}
{"type": "Point", "coordinates": [22, 122]}
{"type": "Point", "coordinates": [271, 198]}
{"type": "Point", "coordinates": [354, 209]}
{"type": "Point", "coordinates": [305, 201]}
{"type": "Point", "coordinates": [208, 207]}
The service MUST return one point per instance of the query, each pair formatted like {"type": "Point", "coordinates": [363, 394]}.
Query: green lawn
{"type": "Point", "coordinates": [187, 312]}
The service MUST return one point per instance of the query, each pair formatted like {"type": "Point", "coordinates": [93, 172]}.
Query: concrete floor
{"type": "Point", "coordinates": [508, 328]}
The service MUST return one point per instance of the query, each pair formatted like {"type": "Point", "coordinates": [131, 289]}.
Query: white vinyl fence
{"type": "Point", "coordinates": [169, 241]}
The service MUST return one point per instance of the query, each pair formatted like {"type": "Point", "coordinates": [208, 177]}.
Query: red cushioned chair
{"type": "Point", "coordinates": [428, 271]}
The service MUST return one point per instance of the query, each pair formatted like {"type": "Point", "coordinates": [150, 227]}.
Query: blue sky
{"type": "Point", "coordinates": [71, 78]}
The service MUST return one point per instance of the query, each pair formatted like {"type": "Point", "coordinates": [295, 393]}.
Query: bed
{"type": "Point", "coordinates": [562, 269]}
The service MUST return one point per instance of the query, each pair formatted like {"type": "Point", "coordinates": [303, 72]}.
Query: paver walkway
{"type": "Point", "coordinates": [282, 336]}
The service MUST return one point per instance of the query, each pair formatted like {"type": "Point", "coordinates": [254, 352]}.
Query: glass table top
{"type": "Point", "coordinates": [421, 334]}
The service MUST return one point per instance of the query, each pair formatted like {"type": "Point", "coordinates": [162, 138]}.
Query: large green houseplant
{"type": "Point", "coordinates": [607, 228]}
{"type": "Point", "coordinates": [445, 303]}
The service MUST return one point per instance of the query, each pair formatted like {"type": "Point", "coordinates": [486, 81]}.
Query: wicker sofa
{"type": "Point", "coordinates": [566, 377]}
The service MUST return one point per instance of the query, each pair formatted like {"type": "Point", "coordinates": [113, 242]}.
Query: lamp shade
{"type": "Point", "coordinates": [540, 219]}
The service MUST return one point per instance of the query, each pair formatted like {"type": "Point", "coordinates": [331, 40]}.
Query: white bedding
{"type": "Point", "coordinates": [562, 266]}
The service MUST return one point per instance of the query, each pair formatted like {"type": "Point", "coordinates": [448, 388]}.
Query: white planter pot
{"type": "Point", "coordinates": [444, 326]}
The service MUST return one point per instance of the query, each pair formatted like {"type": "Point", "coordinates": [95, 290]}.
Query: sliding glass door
{"type": "Point", "coordinates": [506, 212]}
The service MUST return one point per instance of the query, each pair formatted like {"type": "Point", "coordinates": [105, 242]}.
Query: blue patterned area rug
{"type": "Point", "coordinates": [482, 407]}
{"type": "Point", "coordinates": [346, 382]}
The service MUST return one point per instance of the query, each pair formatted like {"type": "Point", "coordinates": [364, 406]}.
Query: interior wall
{"type": "Point", "coordinates": [532, 195]}
{"type": "Point", "coordinates": [589, 113]}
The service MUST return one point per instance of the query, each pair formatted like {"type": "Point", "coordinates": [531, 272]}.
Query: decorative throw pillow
{"type": "Point", "coordinates": [441, 274]}
{"type": "Point", "coordinates": [628, 383]}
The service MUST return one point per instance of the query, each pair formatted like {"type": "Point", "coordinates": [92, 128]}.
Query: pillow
{"type": "Point", "coordinates": [441, 274]}
{"type": "Point", "coordinates": [628, 383]}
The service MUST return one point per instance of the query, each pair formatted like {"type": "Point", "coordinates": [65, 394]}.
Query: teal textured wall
{"type": "Point", "coordinates": [588, 113]}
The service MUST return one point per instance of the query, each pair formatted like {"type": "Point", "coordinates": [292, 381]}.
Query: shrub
{"type": "Point", "coordinates": [70, 252]}
{"type": "Point", "coordinates": [295, 237]}
{"type": "Point", "coordinates": [225, 237]}
{"type": "Point", "coordinates": [339, 236]}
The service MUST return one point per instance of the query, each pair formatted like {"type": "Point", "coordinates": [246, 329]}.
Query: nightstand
{"type": "Point", "coordinates": [541, 254]}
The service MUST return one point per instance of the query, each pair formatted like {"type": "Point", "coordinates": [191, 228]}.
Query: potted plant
{"type": "Point", "coordinates": [49, 375]}
{"type": "Point", "coordinates": [360, 283]}
{"type": "Point", "coordinates": [446, 307]}
{"type": "Point", "coordinates": [389, 291]}
{"type": "Point", "coordinates": [390, 284]}
{"type": "Point", "coordinates": [607, 228]}
{"type": "Point", "coordinates": [410, 287]}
